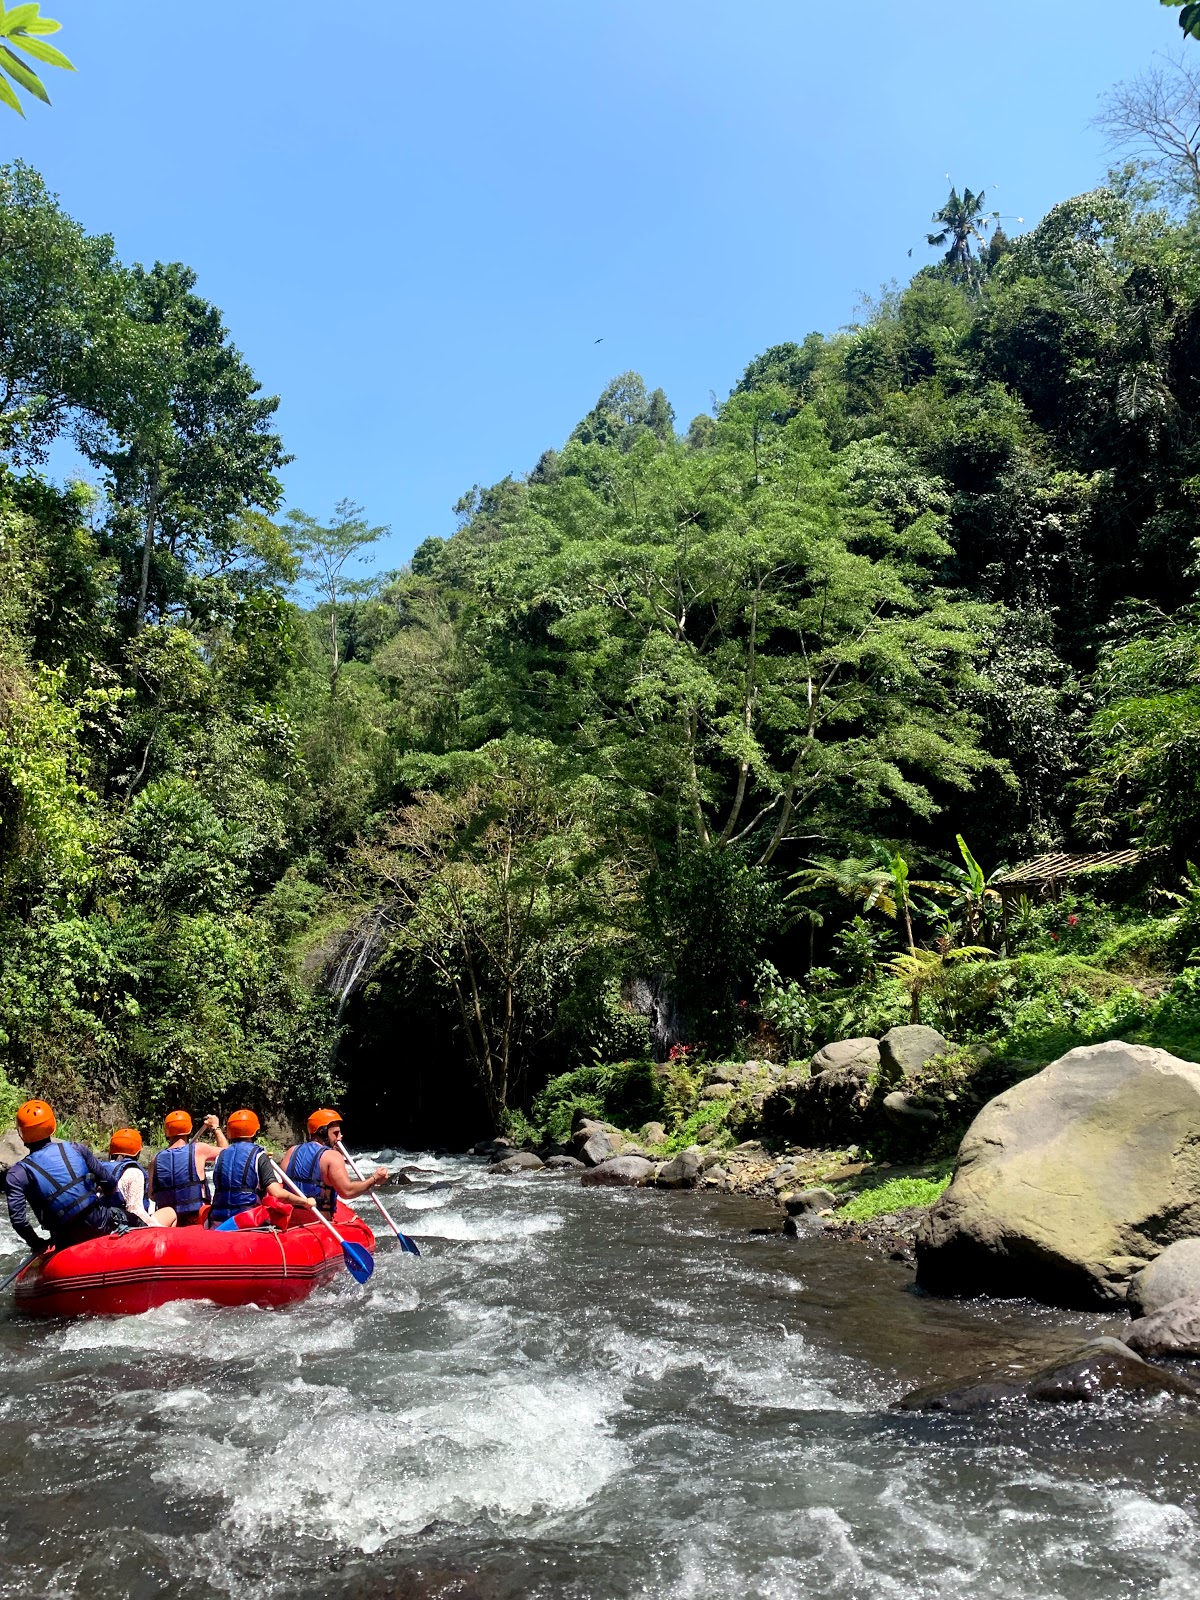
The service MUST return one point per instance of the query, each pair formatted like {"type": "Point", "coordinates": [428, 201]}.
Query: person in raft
{"type": "Point", "coordinates": [177, 1174]}
{"type": "Point", "coordinates": [243, 1179]}
{"type": "Point", "coordinates": [132, 1182]}
{"type": "Point", "coordinates": [318, 1168]}
{"type": "Point", "coordinates": [65, 1186]}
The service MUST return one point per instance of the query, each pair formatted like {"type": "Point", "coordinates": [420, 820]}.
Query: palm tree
{"type": "Point", "coordinates": [963, 223]}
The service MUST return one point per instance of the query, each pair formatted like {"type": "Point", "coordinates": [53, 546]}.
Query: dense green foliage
{"type": "Point", "coordinates": [690, 737]}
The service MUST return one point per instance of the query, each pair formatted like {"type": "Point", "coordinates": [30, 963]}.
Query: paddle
{"type": "Point", "coordinates": [407, 1244]}
{"type": "Point", "coordinates": [13, 1276]}
{"type": "Point", "coordinates": [360, 1263]}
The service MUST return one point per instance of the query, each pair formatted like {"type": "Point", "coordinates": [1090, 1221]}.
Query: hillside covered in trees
{"type": "Point", "coordinates": [691, 739]}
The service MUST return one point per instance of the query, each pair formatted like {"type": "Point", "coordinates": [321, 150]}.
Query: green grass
{"type": "Point", "coordinates": [895, 1195]}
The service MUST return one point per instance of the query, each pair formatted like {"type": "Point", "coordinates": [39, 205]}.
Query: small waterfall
{"type": "Point", "coordinates": [359, 950]}
{"type": "Point", "coordinates": [653, 998]}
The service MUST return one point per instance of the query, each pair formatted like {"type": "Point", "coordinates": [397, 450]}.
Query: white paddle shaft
{"type": "Point", "coordinates": [317, 1212]}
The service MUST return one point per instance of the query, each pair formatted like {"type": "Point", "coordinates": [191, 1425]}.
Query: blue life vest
{"type": "Point", "coordinates": [304, 1169]}
{"type": "Point", "coordinates": [116, 1171]}
{"type": "Point", "coordinates": [68, 1191]}
{"type": "Point", "coordinates": [235, 1181]}
{"type": "Point", "coordinates": [177, 1181]}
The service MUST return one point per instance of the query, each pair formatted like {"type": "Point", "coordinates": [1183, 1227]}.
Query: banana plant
{"type": "Point", "coordinates": [24, 28]}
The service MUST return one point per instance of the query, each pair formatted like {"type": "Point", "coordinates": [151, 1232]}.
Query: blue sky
{"type": "Point", "coordinates": [418, 222]}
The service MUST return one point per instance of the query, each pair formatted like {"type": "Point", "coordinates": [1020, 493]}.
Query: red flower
{"type": "Point", "coordinates": [1054, 936]}
{"type": "Point", "coordinates": [1071, 921]}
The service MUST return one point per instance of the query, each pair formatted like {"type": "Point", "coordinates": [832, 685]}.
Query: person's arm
{"type": "Point", "coordinates": [206, 1154]}
{"type": "Point", "coordinates": [97, 1169]}
{"type": "Point", "coordinates": [132, 1194]}
{"type": "Point", "coordinates": [16, 1192]}
{"type": "Point", "coordinates": [212, 1124]}
{"type": "Point", "coordinates": [336, 1174]}
{"type": "Point", "coordinates": [269, 1184]}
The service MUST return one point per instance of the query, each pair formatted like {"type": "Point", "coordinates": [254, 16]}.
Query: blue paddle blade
{"type": "Point", "coordinates": [229, 1226]}
{"type": "Point", "coordinates": [409, 1246]}
{"type": "Point", "coordinates": [360, 1263]}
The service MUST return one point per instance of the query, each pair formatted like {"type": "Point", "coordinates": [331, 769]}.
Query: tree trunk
{"type": "Point", "coordinates": [147, 552]}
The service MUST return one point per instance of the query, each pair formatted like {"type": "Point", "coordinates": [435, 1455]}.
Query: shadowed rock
{"type": "Point", "coordinates": [1105, 1366]}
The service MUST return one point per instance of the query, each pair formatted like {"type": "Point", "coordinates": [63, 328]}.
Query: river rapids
{"type": "Point", "coordinates": [583, 1394]}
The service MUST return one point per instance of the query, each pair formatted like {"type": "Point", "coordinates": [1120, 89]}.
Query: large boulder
{"type": "Point", "coordinates": [1174, 1275]}
{"type": "Point", "coordinates": [844, 1053]}
{"type": "Point", "coordinates": [904, 1051]}
{"type": "Point", "coordinates": [630, 1172]}
{"type": "Point", "coordinates": [1071, 1181]}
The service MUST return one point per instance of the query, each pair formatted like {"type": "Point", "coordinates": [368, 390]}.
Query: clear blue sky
{"type": "Point", "coordinates": [417, 223]}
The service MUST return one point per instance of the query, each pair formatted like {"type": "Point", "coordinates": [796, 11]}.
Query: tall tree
{"type": "Point", "coordinates": [1156, 118]}
{"type": "Point", "coordinates": [326, 552]}
{"type": "Point", "coordinates": [186, 440]}
{"type": "Point", "coordinates": [963, 225]}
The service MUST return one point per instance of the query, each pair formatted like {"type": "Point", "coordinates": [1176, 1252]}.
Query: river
{"type": "Point", "coordinates": [582, 1394]}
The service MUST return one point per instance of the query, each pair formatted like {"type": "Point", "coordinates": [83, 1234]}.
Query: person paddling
{"type": "Point", "coordinates": [318, 1168]}
{"type": "Point", "coordinates": [177, 1174]}
{"type": "Point", "coordinates": [242, 1177]}
{"type": "Point", "coordinates": [64, 1185]}
{"type": "Point", "coordinates": [132, 1182]}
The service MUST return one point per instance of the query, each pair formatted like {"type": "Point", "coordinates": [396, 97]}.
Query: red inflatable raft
{"type": "Point", "coordinates": [149, 1267]}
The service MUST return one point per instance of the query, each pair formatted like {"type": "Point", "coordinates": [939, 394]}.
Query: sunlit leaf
{"type": "Point", "coordinates": [19, 17]}
{"type": "Point", "coordinates": [42, 52]}
{"type": "Point", "coordinates": [9, 98]}
{"type": "Point", "coordinates": [16, 68]}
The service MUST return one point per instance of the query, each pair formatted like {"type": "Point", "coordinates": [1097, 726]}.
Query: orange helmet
{"type": "Point", "coordinates": [125, 1142]}
{"type": "Point", "coordinates": [177, 1124]}
{"type": "Point", "coordinates": [243, 1124]}
{"type": "Point", "coordinates": [35, 1121]}
{"type": "Point", "coordinates": [320, 1120]}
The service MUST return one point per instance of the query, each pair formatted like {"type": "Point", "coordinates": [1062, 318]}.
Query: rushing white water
{"type": "Point", "coordinates": [576, 1393]}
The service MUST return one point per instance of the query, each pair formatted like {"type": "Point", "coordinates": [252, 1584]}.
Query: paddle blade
{"type": "Point", "coordinates": [409, 1246]}
{"type": "Point", "coordinates": [360, 1263]}
{"type": "Point", "coordinates": [230, 1225]}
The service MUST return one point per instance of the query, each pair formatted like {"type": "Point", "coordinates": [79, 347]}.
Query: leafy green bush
{"type": "Point", "coordinates": [705, 1125]}
{"type": "Point", "coordinates": [626, 1093]}
{"type": "Point", "coordinates": [10, 1098]}
{"type": "Point", "coordinates": [1049, 1014]}
{"type": "Point", "coordinates": [896, 1195]}
{"type": "Point", "coordinates": [1175, 1023]}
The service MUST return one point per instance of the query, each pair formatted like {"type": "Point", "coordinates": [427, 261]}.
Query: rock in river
{"type": "Point", "coordinates": [1099, 1368]}
{"type": "Point", "coordinates": [1069, 1183]}
{"type": "Point", "coordinates": [682, 1173]}
{"type": "Point", "coordinates": [564, 1164]}
{"type": "Point", "coordinates": [1173, 1330]}
{"type": "Point", "coordinates": [1174, 1275]}
{"type": "Point", "coordinates": [629, 1172]}
{"type": "Point", "coordinates": [523, 1161]}
{"type": "Point", "coordinates": [599, 1147]}
{"type": "Point", "coordinates": [809, 1200]}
